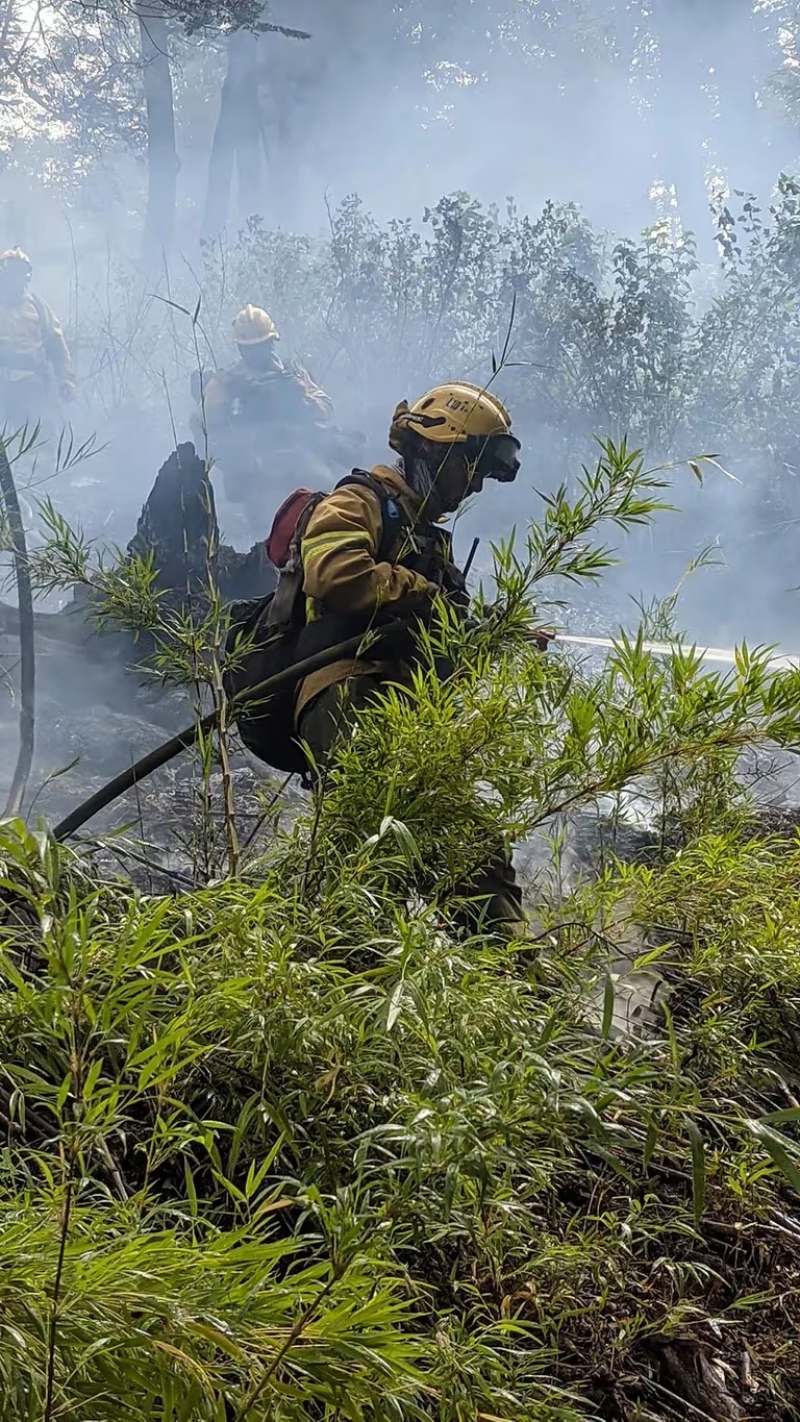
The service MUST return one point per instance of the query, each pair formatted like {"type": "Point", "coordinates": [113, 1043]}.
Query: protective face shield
{"type": "Point", "coordinates": [494, 456]}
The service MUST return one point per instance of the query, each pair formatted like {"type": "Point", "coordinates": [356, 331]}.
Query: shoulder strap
{"type": "Point", "coordinates": [286, 608]}
{"type": "Point", "coordinates": [395, 521]}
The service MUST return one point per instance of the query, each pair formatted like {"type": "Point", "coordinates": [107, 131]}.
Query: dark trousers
{"type": "Point", "coordinates": [494, 894]}
{"type": "Point", "coordinates": [24, 404]}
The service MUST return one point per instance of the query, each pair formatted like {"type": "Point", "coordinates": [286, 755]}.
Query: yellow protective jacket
{"type": "Point", "coordinates": [280, 396]}
{"type": "Point", "coordinates": [32, 343]}
{"type": "Point", "coordinates": [341, 574]}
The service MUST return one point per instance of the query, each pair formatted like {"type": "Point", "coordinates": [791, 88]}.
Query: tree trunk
{"type": "Point", "coordinates": [236, 137]}
{"type": "Point", "coordinates": [220, 163]}
{"type": "Point", "coordinates": [747, 54]}
{"type": "Point", "coordinates": [682, 112]}
{"type": "Point", "coordinates": [248, 149]}
{"type": "Point", "coordinates": [162, 156]}
{"type": "Point", "coordinates": [7, 18]}
{"type": "Point", "coordinates": [706, 45]}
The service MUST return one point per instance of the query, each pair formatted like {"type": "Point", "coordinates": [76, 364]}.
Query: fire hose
{"type": "Point", "coordinates": [185, 739]}
{"type": "Point", "coordinates": [782, 662]}
{"type": "Point", "coordinates": [189, 737]}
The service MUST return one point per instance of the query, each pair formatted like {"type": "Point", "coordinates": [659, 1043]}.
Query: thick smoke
{"type": "Point", "coordinates": [637, 113]}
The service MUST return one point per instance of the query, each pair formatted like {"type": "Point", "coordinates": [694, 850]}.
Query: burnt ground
{"type": "Point", "coordinates": [94, 718]}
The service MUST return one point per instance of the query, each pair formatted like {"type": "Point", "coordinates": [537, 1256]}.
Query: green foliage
{"type": "Point", "coordinates": [291, 1146]}
{"type": "Point", "coordinates": [606, 336]}
{"type": "Point", "coordinates": [627, 338]}
{"type": "Point", "coordinates": [729, 910]}
{"type": "Point", "coordinates": [294, 1092]}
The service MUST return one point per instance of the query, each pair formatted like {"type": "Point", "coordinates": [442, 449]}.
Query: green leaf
{"type": "Point", "coordinates": [191, 1192]}
{"type": "Point", "coordinates": [779, 1150]}
{"type": "Point", "coordinates": [778, 1118]}
{"type": "Point", "coordinates": [698, 1167]}
{"type": "Point", "coordinates": [395, 1004]}
{"type": "Point", "coordinates": [650, 1141]}
{"type": "Point", "coordinates": [609, 1000]}
{"type": "Point", "coordinates": [92, 1078]}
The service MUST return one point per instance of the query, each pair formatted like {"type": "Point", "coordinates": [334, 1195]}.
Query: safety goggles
{"type": "Point", "coordinates": [495, 456]}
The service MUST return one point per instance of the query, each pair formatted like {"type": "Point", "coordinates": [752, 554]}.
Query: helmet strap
{"type": "Point", "coordinates": [427, 480]}
{"type": "Point", "coordinates": [419, 475]}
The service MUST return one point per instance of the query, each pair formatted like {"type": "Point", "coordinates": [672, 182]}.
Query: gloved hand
{"type": "Point", "coordinates": [427, 590]}
{"type": "Point", "coordinates": [491, 610]}
{"type": "Point", "coordinates": [540, 636]}
{"type": "Point", "coordinates": [419, 599]}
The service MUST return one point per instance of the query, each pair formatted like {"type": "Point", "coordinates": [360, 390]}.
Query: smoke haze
{"type": "Point", "coordinates": [624, 116]}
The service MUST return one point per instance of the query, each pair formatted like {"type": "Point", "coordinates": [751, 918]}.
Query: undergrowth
{"type": "Point", "coordinates": [293, 1157]}
{"type": "Point", "coordinates": [289, 1147]}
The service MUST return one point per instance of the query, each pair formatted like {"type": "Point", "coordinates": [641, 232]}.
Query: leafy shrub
{"type": "Point", "coordinates": [289, 1147]}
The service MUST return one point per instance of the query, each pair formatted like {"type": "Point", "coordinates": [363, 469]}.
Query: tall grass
{"type": "Point", "coordinates": [293, 1146]}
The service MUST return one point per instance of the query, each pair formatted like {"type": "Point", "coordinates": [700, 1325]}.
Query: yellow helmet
{"type": "Point", "coordinates": [463, 414]}
{"type": "Point", "coordinates": [16, 254]}
{"type": "Point", "coordinates": [252, 326]}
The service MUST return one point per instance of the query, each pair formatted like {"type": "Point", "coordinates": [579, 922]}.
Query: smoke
{"type": "Point", "coordinates": [636, 113]}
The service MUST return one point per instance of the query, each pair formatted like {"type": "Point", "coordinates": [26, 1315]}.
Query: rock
{"type": "Point", "coordinates": [690, 1375]}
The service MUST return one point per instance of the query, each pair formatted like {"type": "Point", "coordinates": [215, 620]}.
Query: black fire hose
{"type": "Point", "coordinates": [162, 754]}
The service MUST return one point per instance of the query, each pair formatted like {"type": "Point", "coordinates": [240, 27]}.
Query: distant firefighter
{"type": "Point", "coordinates": [34, 357]}
{"type": "Point", "coordinates": [267, 424]}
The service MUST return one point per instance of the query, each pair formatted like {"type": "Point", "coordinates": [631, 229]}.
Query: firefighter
{"type": "Point", "coordinates": [34, 357]}
{"type": "Point", "coordinates": [448, 443]}
{"type": "Point", "coordinates": [267, 424]}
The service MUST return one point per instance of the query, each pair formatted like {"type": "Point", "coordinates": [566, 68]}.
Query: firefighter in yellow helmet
{"type": "Point", "coordinates": [371, 546]}
{"type": "Point", "coordinates": [34, 357]}
{"type": "Point", "coordinates": [266, 424]}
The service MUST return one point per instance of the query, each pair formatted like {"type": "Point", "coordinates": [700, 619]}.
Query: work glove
{"type": "Point", "coordinates": [540, 636]}
{"type": "Point", "coordinates": [418, 603]}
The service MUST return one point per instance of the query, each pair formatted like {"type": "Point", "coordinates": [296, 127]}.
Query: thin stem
{"type": "Point", "coordinates": [220, 699]}
{"type": "Point", "coordinates": [27, 715]}
{"type": "Point", "coordinates": [227, 780]}
{"type": "Point", "coordinates": [53, 1327]}
{"type": "Point", "coordinates": [295, 1332]}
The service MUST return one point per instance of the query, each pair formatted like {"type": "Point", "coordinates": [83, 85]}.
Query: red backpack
{"type": "Point", "coordinates": [262, 635]}
{"type": "Point", "coordinates": [289, 524]}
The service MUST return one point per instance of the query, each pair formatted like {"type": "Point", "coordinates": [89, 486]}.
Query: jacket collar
{"type": "Point", "coordinates": [392, 476]}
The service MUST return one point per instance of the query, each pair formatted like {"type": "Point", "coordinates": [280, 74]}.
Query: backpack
{"type": "Point", "coordinates": [264, 633]}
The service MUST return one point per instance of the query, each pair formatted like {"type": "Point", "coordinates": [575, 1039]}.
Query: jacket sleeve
{"type": "Point", "coordinates": [339, 550]}
{"type": "Point", "coordinates": [313, 395]}
{"type": "Point", "coordinates": [214, 405]}
{"type": "Point", "coordinates": [55, 344]}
